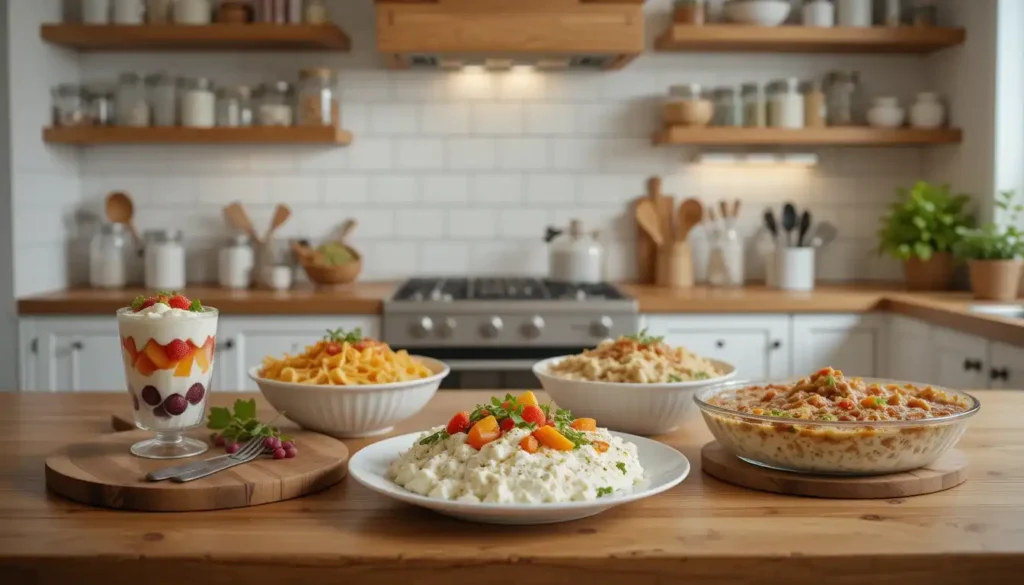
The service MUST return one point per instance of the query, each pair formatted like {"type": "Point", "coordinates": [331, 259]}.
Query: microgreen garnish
{"type": "Point", "coordinates": [674, 378]}
{"type": "Point", "coordinates": [434, 438]}
{"type": "Point", "coordinates": [604, 491]}
{"type": "Point", "coordinates": [701, 376]}
{"type": "Point", "coordinates": [776, 412]}
{"type": "Point", "coordinates": [828, 417]}
{"type": "Point", "coordinates": [830, 380]}
{"type": "Point", "coordinates": [340, 335]}
{"type": "Point", "coordinates": [137, 303]}
{"type": "Point", "coordinates": [879, 401]}
{"type": "Point", "coordinates": [240, 424]}
{"type": "Point", "coordinates": [196, 306]}
{"type": "Point", "coordinates": [644, 339]}
{"type": "Point", "coordinates": [500, 408]}
{"type": "Point", "coordinates": [622, 467]}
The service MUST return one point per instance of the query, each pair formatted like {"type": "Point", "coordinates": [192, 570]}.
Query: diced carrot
{"type": "Point", "coordinates": [600, 446]}
{"type": "Point", "coordinates": [584, 424]}
{"type": "Point", "coordinates": [550, 437]}
{"type": "Point", "coordinates": [529, 444]}
{"type": "Point", "coordinates": [528, 398]}
{"type": "Point", "coordinates": [484, 431]}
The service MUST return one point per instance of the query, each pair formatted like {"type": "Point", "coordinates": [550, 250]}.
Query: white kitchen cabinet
{"type": "Point", "coordinates": [855, 344]}
{"type": "Point", "coordinates": [1006, 366]}
{"type": "Point", "coordinates": [910, 352]}
{"type": "Point", "coordinates": [758, 345]}
{"type": "Point", "coordinates": [959, 360]}
{"type": "Point", "coordinates": [77, 354]}
{"type": "Point", "coordinates": [258, 337]}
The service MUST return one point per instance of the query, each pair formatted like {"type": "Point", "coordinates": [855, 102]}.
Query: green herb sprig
{"type": "Point", "coordinates": [644, 339]}
{"type": "Point", "coordinates": [604, 491]}
{"type": "Point", "coordinates": [240, 423]}
{"type": "Point", "coordinates": [437, 437]}
{"type": "Point", "coordinates": [339, 335]}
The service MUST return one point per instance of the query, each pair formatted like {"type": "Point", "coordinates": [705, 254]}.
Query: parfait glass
{"type": "Point", "coordinates": [168, 363]}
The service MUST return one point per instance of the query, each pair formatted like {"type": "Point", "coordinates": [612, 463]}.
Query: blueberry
{"type": "Point", "coordinates": [175, 404]}
{"type": "Point", "coordinates": [151, 395]}
{"type": "Point", "coordinates": [195, 393]}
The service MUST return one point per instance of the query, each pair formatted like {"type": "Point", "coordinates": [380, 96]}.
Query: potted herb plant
{"type": "Point", "coordinates": [921, 229]}
{"type": "Point", "coordinates": [994, 254]}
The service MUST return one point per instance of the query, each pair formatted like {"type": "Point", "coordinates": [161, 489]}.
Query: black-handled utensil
{"type": "Point", "coordinates": [769, 222]}
{"type": "Point", "coordinates": [805, 225]}
{"type": "Point", "coordinates": [789, 222]}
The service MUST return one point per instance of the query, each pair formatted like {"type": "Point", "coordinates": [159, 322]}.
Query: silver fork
{"type": "Point", "coordinates": [248, 452]}
{"type": "Point", "coordinates": [195, 466]}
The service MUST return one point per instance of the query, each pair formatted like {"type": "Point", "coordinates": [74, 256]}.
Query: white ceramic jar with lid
{"type": "Point", "coordinates": [575, 256]}
{"type": "Point", "coordinates": [928, 112]}
{"type": "Point", "coordinates": [235, 263]}
{"type": "Point", "coordinates": [886, 113]}
{"type": "Point", "coordinates": [857, 13]}
{"type": "Point", "coordinates": [194, 12]}
{"type": "Point", "coordinates": [164, 260]}
{"type": "Point", "coordinates": [96, 11]}
{"type": "Point", "coordinates": [163, 99]}
{"type": "Point", "coordinates": [275, 104]}
{"type": "Point", "coordinates": [129, 11]}
{"type": "Point", "coordinates": [198, 103]}
{"type": "Point", "coordinates": [107, 257]}
{"type": "Point", "coordinates": [786, 107]}
{"type": "Point", "coordinates": [820, 13]}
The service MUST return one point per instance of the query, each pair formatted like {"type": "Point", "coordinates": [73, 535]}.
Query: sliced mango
{"type": "Point", "coordinates": [157, 355]}
{"type": "Point", "coordinates": [203, 357]}
{"type": "Point", "coordinates": [584, 424]}
{"type": "Point", "coordinates": [129, 345]}
{"type": "Point", "coordinates": [184, 367]}
{"type": "Point", "coordinates": [484, 431]}
{"type": "Point", "coordinates": [550, 437]}
{"type": "Point", "coordinates": [527, 399]}
{"type": "Point", "coordinates": [144, 365]}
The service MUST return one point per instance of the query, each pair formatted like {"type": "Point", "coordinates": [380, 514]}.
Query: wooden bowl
{"type": "Point", "coordinates": [331, 275]}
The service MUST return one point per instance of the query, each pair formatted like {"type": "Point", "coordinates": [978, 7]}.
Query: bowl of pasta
{"type": "Point", "coordinates": [636, 384]}
{"type": "Point", "coordinates": [346, 385]}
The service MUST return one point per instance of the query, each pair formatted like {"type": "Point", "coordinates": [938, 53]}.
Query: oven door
{"type": "Point", "coordinates": [492, 368]}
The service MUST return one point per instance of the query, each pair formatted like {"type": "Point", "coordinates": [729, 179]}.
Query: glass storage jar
{"type": "Point", "coordinates": [786, 109]}
{"type": "Point", "coordinates": [158, 11]}
{"type": "Point", "coordinates": [235, 263]}
{"type": "Point", "coordinates": [96, 11]}
{"type": "Point", "coordinates": [843, 95]}
{"type": "Point", "coordinates": [195, 12]}
{"type": "Point", "coordinates": [316, 12]}
{"type": "Point", "coordinates": [275, 104]}
{"type": "Point", "coordinates": [69, 105]}
{"type": "Point", "coordinates": [107, 257]}
{"type": "Point", "coordinates": [726, 107]}
{"type": "Point", "coordinates": [234, 108]}
{"type": "Point", "coordinates": [754, 107]}
{"type": "Point", "coordinates": [163, 99]}
{"type": "Point", "coordinates": [130, 101]}
{"type": "Point", "coordinates": [317, 98]}
{"type": "Point", "coordinates": [814, 104]}
{"type": "Point", "coordinates": [100, 104]}
{"type": "Point", "coordinates": [128, 11]}
{"type": "Point", "coordinates": [198, 103]}
{"type": "Point", "coordinates": [164, 260]}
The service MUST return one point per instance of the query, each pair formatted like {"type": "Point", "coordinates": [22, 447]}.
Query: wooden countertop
{"type": "Point", "coordinates": [949, 309]}
{"type": "Point", "coordinates": [700, 532]}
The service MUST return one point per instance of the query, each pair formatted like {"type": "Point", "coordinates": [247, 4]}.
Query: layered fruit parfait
{"type": "Point", "coordinates": [167, 343]}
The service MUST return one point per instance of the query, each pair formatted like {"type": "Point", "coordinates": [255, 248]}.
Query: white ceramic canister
{"type": "Point", "coordinates": [107, 257]}
{"type": "Point", "coordinates": [928, 111]}
{"type": "Point", "coordinates": [886, 113]}
{"type": "Point", "coordinates": [235, 263]}
{"type": "Point", "coordinates": [164, 260]}
{"type": "Point", "coordinates": [198, 104]}
{"type": "Point", "coordinates": [819, 13]}
{"type": "Point", "coordinates": [575, 256]}
{"type": "Point", "coordinates": [129, 11]}
{"type": "Point", "coordinates": [854, 12]}
{"type": "Point", "coordinates": [194, 12]}
{"type": "Point", "coordinates": [794, 268]}
{"type": "Point", "coordinates": [96, 11]}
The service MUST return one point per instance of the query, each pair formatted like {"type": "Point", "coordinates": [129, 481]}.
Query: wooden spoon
{"type": "Point", "coordinates": [281, 215]}
{"type": "Point", "coordinates": [647, 217]}
{"type": "Point", "coordinates": [662, 207]}
{"type": "Point", "coordinates": [691, 212]}
{"type": "Point", "coordinates": [347, 228]}
{"type": "Point", "coordinates": [237, 218]}
{"type": "Point", "coordinates": [120, 209]}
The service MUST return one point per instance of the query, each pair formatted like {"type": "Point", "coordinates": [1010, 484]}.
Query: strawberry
{"type": "Point", "coordinates": [507, 424]}
{"type": "Point", "coordinates": [179, 301]}
{"type": "Point", "coordinates": [459, 423]}
{"type": "Point", "coordinates": [533, 414]}
{"type": "Point", "coordinates": [177, 350]}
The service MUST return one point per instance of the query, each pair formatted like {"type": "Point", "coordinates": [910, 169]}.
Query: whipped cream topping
{"type": "Point", "coordinates": [161, 311]}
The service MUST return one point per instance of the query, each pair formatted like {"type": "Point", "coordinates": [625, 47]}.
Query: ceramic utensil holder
{"type": "Point", "coordinates": [794, 268]}
{"type": "Point", "coordinates": [675, 265]}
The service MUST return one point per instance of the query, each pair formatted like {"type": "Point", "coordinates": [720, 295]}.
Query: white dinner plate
{"type": "Point", "coordinates": [664, 468]}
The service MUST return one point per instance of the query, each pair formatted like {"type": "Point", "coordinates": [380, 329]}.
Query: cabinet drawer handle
{"type": "Point", "coordinates": [77, 346]}
{"type": "Point", "coordinates": [776, 344]}
{"type": "Point", "coordinates": [999, 374]}
{"type": "Point", "coordinates": [228, 345]}
{"type": "Point", "coordinates": [720, 343]}
{"type": "Point", "coordinates": [970, 364]}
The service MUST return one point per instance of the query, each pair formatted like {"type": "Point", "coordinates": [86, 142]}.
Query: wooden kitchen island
{"type": "Point", "coordinates": [702, 531]}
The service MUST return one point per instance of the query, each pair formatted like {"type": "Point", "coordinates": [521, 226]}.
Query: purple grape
{"type": "Point", "coordinates": [280, 453]}
{"type": "Point", "coordinates": [287, 445]}
{"type": "Point", "coordinates": [271, 443]}
{"type": "Point", "coordinates": [195, 393]}
{"type": "Point", "coordinates": [219, 441]}
{"type": "Point", "coordinates": [292, 452]}
{"type": "Point", "coordinates": [175, 404]}
{"type": "Point", "coordinates": [135, 401]}
{"type": "Point", "coordinates": [159, 412]}
{"type": "Point", "coordinates": [233, 448]}
{"type": "Point", "coordinates": [151, 395]}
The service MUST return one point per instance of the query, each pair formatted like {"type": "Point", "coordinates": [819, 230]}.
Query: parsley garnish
{"type": "Point", "coordinates": [830, 380]}
{"type": "Point", "coordinates": [701, 376]}
{"type": "Point", "coordinates": [196, 306]}
{"type": "Point", "coordinates": [644, 339]}
{"type": "Point", "coordinates": [776, 412]}
{"type": "Point", "coordinates": [879, 401]}
{"type": "Point", "coordinates": [674, 378]}
{"type": "Point", "coordinates": [241, 424]}
{"type": "Point", "coordinates": [503, 408]}
{"type": "Point", "coordinates": [340, 335]}
{"type": "Point", "coordinates": [622, 467]}
{"type": "Point", "coordinates": [434, 438]}
{"type": "Point", "coordinates": [604, 491]}
{"type": "Point", "coordinates": [828, 417]}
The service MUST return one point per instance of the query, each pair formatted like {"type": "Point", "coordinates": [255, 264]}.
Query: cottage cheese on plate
{"type": "Point", "coordinates": [502, 473]}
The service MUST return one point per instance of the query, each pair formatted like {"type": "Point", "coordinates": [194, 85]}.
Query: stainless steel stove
{"type": "Point", "coordinates": [492, 330]}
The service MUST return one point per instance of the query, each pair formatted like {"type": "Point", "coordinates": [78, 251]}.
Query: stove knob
{"type": "Point", "coordinates": [435, 295]}
{"type": "Point", "coordinates": [602, 327]}
{"type": "Point", "coordinates": [422, 328]}
{"type": "Point", "coordinates": [446, 328]}
{"type": "Point", "coordinates": [533, 327]}
{"type": "Point", "coordinates": [491, 327]}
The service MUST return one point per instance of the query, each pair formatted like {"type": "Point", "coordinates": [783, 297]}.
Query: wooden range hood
{"type": "Point", "coordinates": [553, 34]}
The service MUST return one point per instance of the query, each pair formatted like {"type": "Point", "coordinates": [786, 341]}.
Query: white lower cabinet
{"type": "Point", "coordinates": [758, 345]}
{"type": "Point", "coordinates": [852, 343]}
{"type": "Point", "coordinates": [910, 351]}
{"type": "Point", "coordinates": [959, 360]}
{"type": "Point", "coordinates": [1006, 366]}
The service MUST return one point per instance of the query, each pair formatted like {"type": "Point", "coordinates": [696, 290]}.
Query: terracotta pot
{"type": "Point", "coordinates": [936, 273]}
{"type": "Point", "coordinates": [996, 280]}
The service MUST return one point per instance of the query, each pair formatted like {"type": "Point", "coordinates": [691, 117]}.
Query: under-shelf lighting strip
{"type": "Point", "coordinates": [757, 159]}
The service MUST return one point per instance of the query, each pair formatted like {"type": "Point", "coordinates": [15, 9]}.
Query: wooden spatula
{"type": "Point", "coordinates": [691, 212]}
{"type": "Point", "coordinates": [664, 208]}
{"type": "Point", "coordinates": [648, 219]}
{"type": "Point", "coordinates": [237, 218]}
{"type": "Point", "coordinates": [281, 215]}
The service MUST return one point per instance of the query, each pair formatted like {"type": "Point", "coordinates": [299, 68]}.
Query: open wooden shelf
{"type": "Point", "coordinates": [836, 136]}
{"type": "Point", "coordinates": [214, 37]}
{"type": "Point", "coordinates": [807, 39]}
{"type": "Point", "coordinates": [85, 135]}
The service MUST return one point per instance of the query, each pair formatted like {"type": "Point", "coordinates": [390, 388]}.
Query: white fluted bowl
{"type": "Point", "coordinates": [352, 411]}
{"type": "Point", "coordinates": [640, 409]}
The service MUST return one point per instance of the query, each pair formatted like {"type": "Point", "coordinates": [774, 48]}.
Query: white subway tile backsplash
{"type": "Point", "coordinates": [413, 222]}
{"type": "Point", "coordinates": [444, 119]}
{"type": "Point", "coordinates": [224, 189]}
{"type": "Point", "coordinates": [443, 189]}
{"type": "Point", "coordinates": [346, 189]}
{"type": "Point", "coordinates": [551, 189]}
{"type": "Point", "coordinates": [443, 258]}
{"type": "Point", "coordinates": [497, 118]}
{"type": "Point", "coordinates": [523, 153]}
{"type": "Point", "coordinates": [371, 154]}
{"type": "Point", "coordinates": [574, 154]}
{"type": "Point", "coordinates": [365, 86]}
{"type": "Point", "coordinates": [523, 223]}
{"type": "Point", "coordinates": [389, 260]}
{"type": "Point", "coordinates": [394, 119]}
{"type": "Point", "coordinates": [386, 189]}
{"type": "Point", "coordinates": [420, 153]}
{"type": "Point", "coordinates": [472, 224]}
{"type": "Point", "coordinates": [550, 119]}
{"type": "Point", "coordinates": [471, 153]}
{"type": "Point", "coordinates": [373, 223]}
{"type": "Point", "coordinates": [293, 189]}
{"type": "Point", "coordinates": [500, 189]}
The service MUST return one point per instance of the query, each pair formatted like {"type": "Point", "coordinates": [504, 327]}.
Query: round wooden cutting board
{"type": "Point", "coordinates": [947, 472]}
{"type": "Point", "coordinates": [102, 472]}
